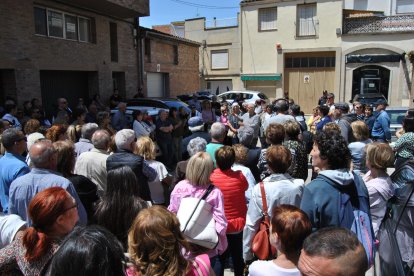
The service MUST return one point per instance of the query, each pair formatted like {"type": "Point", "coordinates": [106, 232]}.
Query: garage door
{"type": "Point", "coordinates": [305, 86]}
{"type": "Point", "coordinates": [156, 85]}
{"type": "Point", "coordinates": [71, 85]}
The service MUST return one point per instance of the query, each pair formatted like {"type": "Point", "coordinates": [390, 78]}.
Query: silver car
{"type": "Point", "coordinates": [397, 115]}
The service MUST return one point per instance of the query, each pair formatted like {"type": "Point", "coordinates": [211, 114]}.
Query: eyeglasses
{"type": "Point", "coordinates": [74, 206]}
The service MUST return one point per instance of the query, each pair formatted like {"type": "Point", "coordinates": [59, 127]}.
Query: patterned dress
{"type": "Point", "coordinates": [299, 167]}
{"type": "Point", "coordinates": [13, 262]}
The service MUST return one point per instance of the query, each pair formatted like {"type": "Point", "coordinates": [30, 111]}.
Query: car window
{"type": "Point", "coordinates": [262, 96]}
{"type": "Point", "coordinates": [396, 116]}
{"type": "Point", "coordinates": [247, 96]}
{"type": "Point", "coordinates": [177, 105]}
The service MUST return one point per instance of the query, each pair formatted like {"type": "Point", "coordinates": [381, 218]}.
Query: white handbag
{"type": "Point", "coordinates": [197, 222]}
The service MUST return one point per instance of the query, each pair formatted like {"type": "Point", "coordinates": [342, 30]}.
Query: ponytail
{"type": "Point", "coordinates": [37, 244]}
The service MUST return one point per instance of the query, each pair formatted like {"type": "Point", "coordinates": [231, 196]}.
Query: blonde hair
{"type": "Point", "coordinates": [360, 130]}
{"type": "Point", "coordinates": [199, 168]}
{"type": "Point", "coordinates": [146, 148]}
{"type": "Point", "coordinates": [379, 155]}
{"type": "Point", "coordinates": [155, 242]}
{"type": "Point", "coordinates": [71, 133]}
{"type": "Point", "coordinates": [241, 153]}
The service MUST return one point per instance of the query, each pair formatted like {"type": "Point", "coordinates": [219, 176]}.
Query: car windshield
{"type": "Point", "coordinates": [396, 116]}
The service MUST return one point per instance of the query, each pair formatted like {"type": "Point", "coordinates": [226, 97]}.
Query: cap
{"type": "Point", "coordinates": [381, 101]}
{"type": "Point", "coordinates": [342, 106]}
{"type": "Point", "coordinates": [33, 138]}
{"type": "Point", "coordinates": [195, 121]}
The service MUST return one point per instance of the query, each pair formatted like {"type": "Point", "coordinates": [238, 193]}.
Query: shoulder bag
{"type": "Point", "coordinates": [197, 222]}
{"type": "Point", "coordinates": [261, 246]}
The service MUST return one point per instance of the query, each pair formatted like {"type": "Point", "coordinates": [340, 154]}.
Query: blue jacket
{"type": "Point", "coordinates": [320, 200]}
{"type": "Point", "coordinates": [323, 122]}
{"type": "Point", "coordinates": [381, 127]}
{"type": "Point", "coordinates": [11, 167]}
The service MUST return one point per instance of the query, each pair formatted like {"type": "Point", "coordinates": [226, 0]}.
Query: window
{"type": "Point", "coordinates": [71, 27]}
{"type": "Point", "coordinates": [405, 6]}
{"type": "Point", "coordinates": [309, 62]}
{"type": "Point", "coordinates": [40, 21]}
{"type": "Point", "coordinates": [85, 30]}
{"type": "Point", "coordinates": [267, 19]}
{"type": "Point", "coordinates": [55, 23]}
{"type": "Point", "coordinates": [113, 36]}
{"type": "Point", "coordinates": [361, 5]}
{"type": "Point", "coordinates": [306, 23]}
{"type": "Point", "coordinates": [220, 59]}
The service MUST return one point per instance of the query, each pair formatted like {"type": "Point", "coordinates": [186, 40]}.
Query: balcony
{"type": "Point", "coordinates": [375, 23]}
{"type": "Point", "coordinates": [117, 8]}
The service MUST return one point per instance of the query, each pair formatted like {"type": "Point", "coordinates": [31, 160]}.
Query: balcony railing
{"type": "Point", "coordinates": [221, 23]}
{"type": "Point", "coordinates": [378, 24]}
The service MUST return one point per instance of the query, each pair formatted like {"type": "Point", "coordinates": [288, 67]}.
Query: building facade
{"type": "Point", "coordinates": [291, 47]}
{"type": "Point", "coordinates": [219, 54]}
{"type": "Point", "coordinates": [72, 49]}
{"type": "Point", "coordinates": [170, 65]}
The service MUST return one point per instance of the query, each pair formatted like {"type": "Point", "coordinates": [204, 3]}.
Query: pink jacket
{"type": "Point", "coordinates": [185, 189]}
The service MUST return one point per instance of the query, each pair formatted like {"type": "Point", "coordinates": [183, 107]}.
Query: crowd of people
{"type": "Point", "coordinates": [84, 193]}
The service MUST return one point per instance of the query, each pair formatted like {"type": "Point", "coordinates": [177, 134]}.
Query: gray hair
{"type": "Point", "coordinates": [195, 145]}
{"type": "Point", "coordinates": [217, 131]}
{"type": "Point", "coordinates": [124, 139]}
{"type": "Point", "coordinates": [10, 136]}
{"type": "Point", "coordinates": [88, 130]}
{"type": "Point", "coordinates": [40, 153]}
{"type": "Point", "coordinates": [246, 136]}
{"type": "Point", "coordinates": [101, 139]}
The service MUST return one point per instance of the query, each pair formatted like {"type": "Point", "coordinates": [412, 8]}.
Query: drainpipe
{"type": "Point", "coordinates": [140, 61]}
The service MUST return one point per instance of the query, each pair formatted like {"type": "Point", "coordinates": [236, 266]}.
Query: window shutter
{"type": "Point", "coordinates": [220, 60]}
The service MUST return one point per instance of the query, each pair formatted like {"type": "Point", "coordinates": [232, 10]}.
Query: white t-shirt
{"type": "Point", "coordinates": [269, 268]}
{"type": "Point", "coordinates": [9, 225]}
{"type": "Point", "coordinates": [156, 188]}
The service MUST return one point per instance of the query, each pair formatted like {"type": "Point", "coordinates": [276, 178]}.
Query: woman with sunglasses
{"type": "Point", "coordinates": [53, 213]}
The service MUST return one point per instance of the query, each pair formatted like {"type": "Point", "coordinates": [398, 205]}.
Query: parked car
{"type": "Point", "coordinates": [186, 97]}
{"type": "Point", "coordinates": [247, 96]}
{"type": "Point", "coordinates": [397, 115]}
{"type": "Point", "coordinates": [370, 98]}
{"type": "Point", "coordinates": [165, 103]}
{"type": "Point", "coordinates": [152, 111]}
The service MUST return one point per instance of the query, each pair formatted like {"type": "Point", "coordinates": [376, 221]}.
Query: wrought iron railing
{"type": "Point", "coordinates": [378, 24]}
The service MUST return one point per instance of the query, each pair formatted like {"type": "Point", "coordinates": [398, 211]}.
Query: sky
{"type": "Point", "coordinates": [166, 11]}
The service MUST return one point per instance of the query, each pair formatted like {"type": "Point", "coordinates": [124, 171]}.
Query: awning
{"type": "Point", "coordinates": [274, 77]}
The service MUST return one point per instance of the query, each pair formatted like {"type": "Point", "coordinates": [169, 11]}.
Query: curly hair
{"type": "Point", "coordinates": [333, 148]}
{"type": "Point", "coordinates": [155, 242]}
{"type": "Point", "coordinates": [31, 126]}
{"type": "Point", "coordinates": [292, 129]}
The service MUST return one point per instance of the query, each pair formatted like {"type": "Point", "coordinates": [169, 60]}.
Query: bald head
{"type": "Point", "coordinates": [101, 139]}
{"type": "Point", "coordinates": [42, 155]}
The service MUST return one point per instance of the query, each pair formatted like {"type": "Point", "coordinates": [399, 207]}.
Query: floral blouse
{"type": "Point", "coordinates": [13, 262]}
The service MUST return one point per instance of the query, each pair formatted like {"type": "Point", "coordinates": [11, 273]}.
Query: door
{"type": "Point", "coordinates": [156, 85]}
{"type": "Point", "coordinates": [71, 85]}
{"type": "Point", "coordinates": [219, 86]}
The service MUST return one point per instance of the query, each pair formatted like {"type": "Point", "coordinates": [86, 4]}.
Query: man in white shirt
{"type": "Point", "coordinates": [92, 164]}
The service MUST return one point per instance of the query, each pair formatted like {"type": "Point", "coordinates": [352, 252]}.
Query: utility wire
{"type": "Point", "coordinates": [202, 6]}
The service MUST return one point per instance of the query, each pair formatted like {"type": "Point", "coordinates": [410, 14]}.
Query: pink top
{"type": "Point", "coordinates": [185, 189]}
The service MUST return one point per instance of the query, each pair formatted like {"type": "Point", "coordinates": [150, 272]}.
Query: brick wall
{"type": "Point", "coordinates": [27, 53]}
{"type": "Point", "coordinates": [183, 77]}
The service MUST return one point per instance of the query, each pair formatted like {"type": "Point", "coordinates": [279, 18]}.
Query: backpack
{"type": "Point", "coordinates": [354, 214]}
